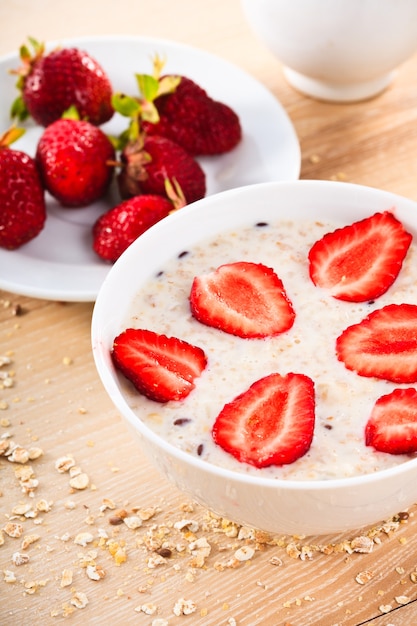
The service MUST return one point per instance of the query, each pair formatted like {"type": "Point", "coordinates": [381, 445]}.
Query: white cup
{"type": "Point", "coordinates": [337, 50]}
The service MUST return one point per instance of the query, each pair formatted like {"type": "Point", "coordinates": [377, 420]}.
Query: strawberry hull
{"type": "Point", "coordinates": [340, 483]}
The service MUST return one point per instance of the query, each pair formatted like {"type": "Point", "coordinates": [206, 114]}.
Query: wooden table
{"type": "Point", "coordinates": [77, 549]}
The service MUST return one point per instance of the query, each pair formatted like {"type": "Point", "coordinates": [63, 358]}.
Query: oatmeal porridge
{"type": "Point", "coordinates": [344, 400]}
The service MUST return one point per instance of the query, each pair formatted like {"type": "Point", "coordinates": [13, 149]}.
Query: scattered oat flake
{"type": "Point", "coordinates": [84, 538]}
{"type": "Point", "coordinates": [79, 600]}
{"type": "Point", "coordinates": [66, 577]}
{"type": "Point", "coordinates": [24, 473]}
{"type": "Point", "coordinates": [18, 558]}
{"type": "Point", "coordinates": [246, 533]}
{"type": "Point", "coordinates": [402, 599]}
{"type": "Point", "coordinates": [95, 572]}
{"type": "Point", "coordinates": [245, 553]}
{"type": "Point", "coordinates": [18, 455]}
{"type": "Point", "coordinates": [385, 608]}
{"type": "Point", "coordinates": [362, 544]}
{"type": "Point", "coordinates": [364, 577]}
{"type": "Point", "coordinates": [13, 529]}
{"type": "Point", "coordinates": [21, 509]}
{"type": "Point", "coordinates": [43, 505]}
{"type": "Point", "coordinates": [133, 521]}
{"type": "Point", "coordinates": [149, 608]}
{"type": "Point", "coordinates": [187, 524]}
{"type": "Point", "coordinates": [35, 453]}
{"type": "Point", "coordinates": [29, 539]}
{"type": "Point", "coordinates": [80, 481]}
{"type": "Point", "coordinates": [107, 504]}
{"type": "Point", "coordinates": [117, 551]}
{"type": "Point", "coordinates": [155, 560]}
{"type": "Point", "coordinates": [146, 514]}
{"type": "Point", "coordinates": [64, 463]}
{"type": "Point", "coordinates": [293, 551]}
{"type": "Point", "coordinates": [184, 607]}
{"type": "Point", "coordinates": [9, 576]}
{"type": "Point", "coordinates": [32, 586]}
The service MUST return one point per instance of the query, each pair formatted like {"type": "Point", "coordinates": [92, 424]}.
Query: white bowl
{"type": "Point", "coordinates": [340, 50]}
{"type": "Point", "coordinates": [276, 505]}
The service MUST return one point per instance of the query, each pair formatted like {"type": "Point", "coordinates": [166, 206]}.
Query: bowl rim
{"type": "Point", "coordinates": [108, 374]}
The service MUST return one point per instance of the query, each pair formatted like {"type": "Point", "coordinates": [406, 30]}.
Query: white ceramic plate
{"type": "Point", "coordinates": [60, 264]}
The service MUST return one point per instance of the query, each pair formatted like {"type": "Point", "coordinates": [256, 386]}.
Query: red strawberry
{"type": "Point", "coordinates": [244, 299]}
{"type": "Point", "coordinates": [116, 229]}
{"type": "Point", "coordinates": [383, 345]}
{"type": "Point", "coordinates": [51, 83]}
{"type": "Point", "coordinates": [76, 161]}
{"type": "Point", "coordinates": [162, 368]}
{"type": "Point", "coordinates": [272, 423]}
{"type": "Point", "coordinates": [22, 197]}
{"type": "Point", "coordinates": [149, 162]}
{"type": "Point", "coordinates": [392, 426]}
{"type": "Point", "coordinates": [201, 125]}
{"type": "Point", "coordinates": [361, 261]}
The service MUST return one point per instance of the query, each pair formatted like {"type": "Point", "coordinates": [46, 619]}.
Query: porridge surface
{"type": "Point", "coordinates": [344, 400]}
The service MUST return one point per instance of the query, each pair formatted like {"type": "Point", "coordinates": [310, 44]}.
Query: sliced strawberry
{"type": "Point", "coordinates": [361, 261]}
{"type": "Point", "coordinates": [272, 423]}
{"type": "Point", "coordinates": [392, 426]}
{"type": "Point", "coordinates": [383, 345]}
{"type": "Point", "coordinates": [244, 299]}
{"type": "Point", "coordinates": [161, 368]}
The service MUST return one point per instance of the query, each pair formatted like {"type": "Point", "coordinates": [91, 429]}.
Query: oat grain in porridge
{"type": "Point", "coordinates": [344, 400]}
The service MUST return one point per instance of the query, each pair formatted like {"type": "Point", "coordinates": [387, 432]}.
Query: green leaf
{"type": "Point", "coordinates": [35, 44]}
{"type": "Point", "coordinates": [71, 113]}
{"type": "Point", "coordinates": [18, 110]}
{"type": "Point", "coordinates": [148, 86]}
{"type": "Point", "coordinates": [11, 135]}
{"type": "Point", "coordinates": [133, 130]}
{"type": "Point", "coordinates": [38, 50]}
{"type": "Point", "coordinates": [125, 105]}
{"type": "Point", "coordinates": [25, 54]}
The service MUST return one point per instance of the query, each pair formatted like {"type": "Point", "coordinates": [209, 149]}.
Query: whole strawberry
{"type": "Point", "coordinates": [51, 83]}
{"type": "Point", "coordinates": [22, 197]}
{"type": "Point", "coordinates": [76, 162]}
{"type": "Point", "coordinates": [198, 123]}
{"type": "Point", "coordinates": [116, 229]}
{"type": "Point", "coordinates": [150, 161]}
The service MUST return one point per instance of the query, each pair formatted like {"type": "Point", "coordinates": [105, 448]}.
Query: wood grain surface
{"type": "Point", "coordinates": [127, 575]}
